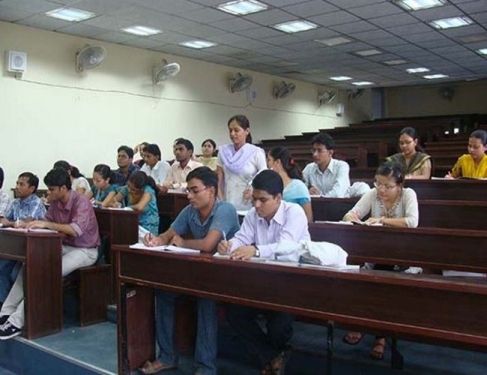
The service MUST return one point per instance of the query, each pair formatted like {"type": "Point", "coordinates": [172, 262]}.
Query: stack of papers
{"type": "Point", "coordinates": [165, 248]}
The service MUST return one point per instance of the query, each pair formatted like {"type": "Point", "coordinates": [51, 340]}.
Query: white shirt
{"type": "Point", "coordinates": [177, 176]}
{"type": "Point", "coordinates": [158, 173]}
{"type": "Point", "coordinates": [81, 183]}
{"type": "Point", "coordinates": [333, 182]}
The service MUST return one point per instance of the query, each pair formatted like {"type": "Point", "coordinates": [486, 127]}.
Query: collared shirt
{"type": "Point", "coordinates": [5, 202]}
{"type": "Point", "coordinates": [30, 207]}
{"type": "Point", "coordinates": [177, 175]}
{"type": "Point", "coordinates": [333, 182]}
{"type": "Point", "coordinates": [79, 214]}
{"type": "Point", "coordinates": [288, 224]}
{"type": "Point", "coordinates": [223, 217]}
{"type": "Point", "coordinates": [158, 173]}
{"type": "Point", "coordinates": [132, 169]}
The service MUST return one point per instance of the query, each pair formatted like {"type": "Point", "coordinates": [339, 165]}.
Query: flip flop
{"type": "Point", "coordinates": [378, 349]}
{"type": "Point", "coordinates": [352, 338]}
{"type": "Point", "coordinates": [155, 366]}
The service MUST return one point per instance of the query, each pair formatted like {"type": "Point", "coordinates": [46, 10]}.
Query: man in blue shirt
{"type": "Point", "coordinates": [207, 220]}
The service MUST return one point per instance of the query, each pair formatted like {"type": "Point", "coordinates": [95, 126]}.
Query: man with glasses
{"type": "Point", "coordinates": [326, 176]}
{"type": "Point", "coordinates": [206, 220]}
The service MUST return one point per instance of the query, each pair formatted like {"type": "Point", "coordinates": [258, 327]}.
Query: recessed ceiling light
{"type": "Point", "coordinates": [362, 83]}
{"type": "Point", "coordinates": [334, 41]}
{"type": "Point", "coordinates": [395, 62]}
{"type": "Point", "coordinates": [141, 30]}
{"type": "Point", "coordinates": [417, 70]}
{"type": "Point", "coordinates": [242, 7]}
{"type": "Point", "coordinates": [368, 52]}
{"type": "Point", "coordinates": [435, 76]}
{"type": "Point", "coordinates": [295, 26]}
{"type": "Point", "coordinates": [419, 4]}
{"type": "Point", "coordinates": [448, 23]}
{"type": "Point", "coordinates": [198, 44]}
{"type": "Point", "coordinates": [70, 14]}
{"type": "Point", "coordinates": [482, 51]}
{"type": "Point", "coordinates": [340, 78]}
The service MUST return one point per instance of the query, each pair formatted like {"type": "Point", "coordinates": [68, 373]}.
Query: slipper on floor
{"type": "Point", "coordinates": [154, 367]}
{"type": "Point", "coordinates": [352, 338]}
{"type": "Point", "coordinates": [378, 350]}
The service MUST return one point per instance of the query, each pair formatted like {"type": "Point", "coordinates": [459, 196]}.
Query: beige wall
{"type": "Point", "coordinates": [469, 97]}
{"type": "Point", "coordinates": [54, 113]}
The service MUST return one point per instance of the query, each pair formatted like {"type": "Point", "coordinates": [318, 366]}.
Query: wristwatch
{"type": "Point", "coordinates": [257, 253]}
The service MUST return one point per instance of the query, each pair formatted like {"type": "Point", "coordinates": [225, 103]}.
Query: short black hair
{"type": "Point", "coordinates": [63, 164]}
{"type": "Point", "coordinates": [269, 181]}
{"type": "Point", "coordinates": [324, 139]}
{"type": "Point", "coordinates": [211, 141]}
{"type": "Point", "coordinates": [153, 149]}
{"type": "Point", "coordinates": [185, 142]}
{"type": "Point", "coordinates": [391, 169]}
{"type": "Point", "coordinates": [128, 150]}
{"type": "Point", "coordinates": [1, 177]}
{"type": "Point", "coordinates": [58, 177]}
{"type": "Point", "coordinates": [32, 179]}
{"type": "Point", "coordinates": [208, 177]}
{"type": "Point", "coordinates": [480, 134]}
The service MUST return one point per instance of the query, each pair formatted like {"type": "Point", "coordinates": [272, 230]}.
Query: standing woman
{"type": "Point", "coordinates": [295, 191]}
{"type": "Point", "coordinates": [415, 164]}
{"type": "Point", "coordinates": [238, 163]}
{"type": "Point", "coordinates": [473, 164]}
{"type": "Point", "coordinates": [208, 151]}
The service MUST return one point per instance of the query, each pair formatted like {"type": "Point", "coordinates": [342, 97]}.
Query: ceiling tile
{"type": "Point", "coordinates": [438, 13]}
{"type": "Point", "coordinates": [345, 4]}
{"type": "Point", "coordinates": [260, 32]}
{"type": "Point", "coordinates": [13, 14]}
{"type": "Point", "coordinates": [169, 6]}
{"type": "Point", "coordinates": [393, 20]}
{"type": "Point", "coordinates": [334, 18]}
{"type": "Point", "coordinates": [376, 10]}
{"type": "Point", "coordinates": [474, 6]}
{"type": "Point", "coordinates": [354, 27]}
{"type": "Point", "coordinates": [33, 6]}
{"type": "Point", "coordinates": [234, 25]}
{"type": "Point", "coordinates": [206, 15]}
{"type": "Point", "coordinates": [414, 28]}
{"type": "Point", "coordinates": [310, 8]}
{"type": "Point", "coordinates": [270, 17]}
{"type": "Point", "coordinates": [44, 22]}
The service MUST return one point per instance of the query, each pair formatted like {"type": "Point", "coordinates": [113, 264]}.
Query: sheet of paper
{"type": "Point", "coordinates": [165, 248]}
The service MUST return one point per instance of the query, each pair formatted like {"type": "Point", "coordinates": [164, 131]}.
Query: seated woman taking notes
{"type": "Point", "coordinates": [473, 164]}
{"type": "Point", "coordinates": [103, 189]}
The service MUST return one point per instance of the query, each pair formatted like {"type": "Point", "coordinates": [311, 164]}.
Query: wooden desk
{"type": "Point", "coordinates": [463, 190]}
{"type": "Point", "coordinates": [171, 204]}
{"type": "Point", "coordinates": [451, 311]}
{"type": "Point", "coordinates": [41, 254]}
{"type": "Point", "coordinates": [438, 248]}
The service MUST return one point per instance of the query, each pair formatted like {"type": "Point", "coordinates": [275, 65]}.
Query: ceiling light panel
{"type": "Point", "coordinates": [395, 62]}
{"type": "Point", "coordinates": [368, 52]}
{"type": "Point", "coordinates": [70, 14]}
{"type": "Point", "coordinates": [334, 41]}
{"type": "Point", "coordinates": [449, 23]}
{"type": "Point", "coordinates": [198, 44]}
{"type": "Point", "coordinates": [362, 83]}
{"type": "Point", "coordinates": [482, 51]}
{"type": "Point", "coordinates": [417, 70]}
{"type": "Point", "coordinates": [242, 7]}
{"type": "Point", "coordinates": [412, 5]}
{"type": "Point", "coordinates": [435, 76]}
{"type": "Point", "coordinates": [295, 26]}
{"type": "Point", "coordinates": [141, 30]}
{"type": "Point", "coordinates": [340, 78]}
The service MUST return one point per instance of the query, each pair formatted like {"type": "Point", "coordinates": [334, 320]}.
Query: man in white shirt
{"type": "Point", "coordinates": [269, 222]}
{"type": "Point", "coordinates": [183, 152]}
{"type": "Point", "coordinates": [154, 166]}
{"type": "Point", "coordinates": [326, 176]}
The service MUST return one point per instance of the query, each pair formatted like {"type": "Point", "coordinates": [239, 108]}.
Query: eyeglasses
{"type": "Point", "coordinates": [379, 185]}
{"type": "Point", "coordinates": [194, 190]}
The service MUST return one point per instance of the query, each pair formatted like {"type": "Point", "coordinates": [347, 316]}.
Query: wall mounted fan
{"type": "Point", "coordinates": [89, 57]}
{"type": "Point", "coordinates": [163, 71]}
{"type": "Point", "coordinates": [283, 89]}
{"type": "Point", "coordinates": [326, 97]}
{"type": "Point", "coordinates": [240, 82]}
{"type": "Point", "coordinates": [354, 94]}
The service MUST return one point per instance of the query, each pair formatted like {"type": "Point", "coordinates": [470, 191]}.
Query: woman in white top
{"type": "Point", "coordinates": [154, 166]}
{"type": "Point", "coordinates": [279, 159]}
{"type": "Point", "coordinates": [389, 204]}
{"type": "Point", "coordinates": [78, 182]}
{"type": "Point", "coordinates": [238, 163]}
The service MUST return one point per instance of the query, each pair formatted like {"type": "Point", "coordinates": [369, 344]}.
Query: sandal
{"type": "Point", "coordinates": [378, 349]}
{"type": "Point", "coordinates": [352, 338]}
{"type": "Point", "coordinates": [155, 366]}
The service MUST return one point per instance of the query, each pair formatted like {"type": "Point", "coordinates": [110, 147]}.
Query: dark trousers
{"type": "Point", "coordinates": [262, 345]}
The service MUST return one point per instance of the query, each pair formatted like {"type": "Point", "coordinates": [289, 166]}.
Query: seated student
{"type": "Point", "coordinates": [269, 222]}
{"type": "Point", "coordinates": [280, 160]}
{"type": "Point", "coordinates": [103, 189]}
{"type": "Point", "coordinates": [70, 213]}
{"type": "Point", "coordinates": [139, 154]}
{"type": "Point", "coordinates": [473, 164]}
{"type": "Point", "coordinates": [5, 200]}
{"type": "Point", "coordinates": [140, 195]}
{"type": "Point", "coordinates": [125, 157]}
{"type": "Point", "coordinates": [78, 182]}
{"type": "Point", "coordinates": [208, 158]}
{"type": "Point", "coordinates": [26, 207]}
{"type": "Point", "coordinates": [183, 152]}
{"type": "Point", "coordinates": [206, 220]}
{"type": "Point", "coordinates": [390, 204]}
{"type": "Point", "coordinates": [326, 176]}
{"type": "Point", "coordinates": [414, 163]}
{"type": "Point", "coordinates": [154, 166]}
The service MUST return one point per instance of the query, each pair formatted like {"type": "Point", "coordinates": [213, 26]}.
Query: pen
{"type": "Point", "coordinates": [224, 236]}
{"type": "Point", "coordinates": [150, 237]}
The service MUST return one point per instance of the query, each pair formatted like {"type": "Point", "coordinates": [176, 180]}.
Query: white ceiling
{"type": "Point", "coordinates": [250, 42]}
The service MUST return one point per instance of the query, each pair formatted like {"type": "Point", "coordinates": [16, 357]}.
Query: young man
{"type": "Point", "coordinates": [26, 207]}
{"type": "Point", "coordinates": [327, 177]}
{"type": "Point", "coordinates": [5, 199]}
{"type": "Point", "coordinates": [206, 220]}
{"type": "Point", "coordinates": [153, 165]}
{"type": "Point", "coordinates": [69, 213]}
{"type": "Point", "coordinates": [269, 222]}
{"type": "Point", "coordinates": [125, 157]}
{"type": "Point", "coordinates": [183, 152]}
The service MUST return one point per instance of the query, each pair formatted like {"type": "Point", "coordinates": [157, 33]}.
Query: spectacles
{"type": "Point", "coordinates": [194, 190]}
{"type": "Point", "coordinates": [379, 185]}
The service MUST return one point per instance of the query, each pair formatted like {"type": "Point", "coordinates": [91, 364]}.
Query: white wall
{"type": "Point", "coordinates": [469, 97]}
{"type": "Point", "coordinates": [54, 113]}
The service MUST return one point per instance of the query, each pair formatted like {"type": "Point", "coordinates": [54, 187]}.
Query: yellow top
{"type": "Point", "coordinates": [209, 162]}
{"type": "Point", "coordinates": [466, 167]}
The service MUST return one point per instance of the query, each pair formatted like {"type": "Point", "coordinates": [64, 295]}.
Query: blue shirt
{"type": "Point", "coordinates": [296, 192]}
{"type": "Point", "coordinates": [223, 218]}
{"type": "Point", "coordinates": [149, 217]}
{"type": "Point", "coordinates": [100, 195]}
{"type": "Point", "coordinates": [30, 207]}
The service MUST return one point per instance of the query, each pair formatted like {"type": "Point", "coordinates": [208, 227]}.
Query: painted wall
{"type": "Point", "coordinates": [54, 113]}
{"type": "Point", "coordinates": [468, 97]}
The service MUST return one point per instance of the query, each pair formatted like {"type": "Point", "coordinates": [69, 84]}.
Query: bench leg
{"type": "Point", "coordinates": [397, 360]}
{"type": "Point", "coordinates": [94, 294]}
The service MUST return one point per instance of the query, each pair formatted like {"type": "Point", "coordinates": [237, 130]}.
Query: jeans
{"type": "Point", "coordinates": [206, 335]}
